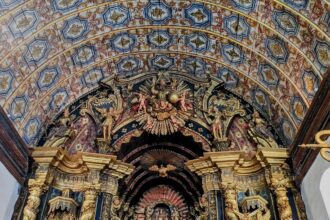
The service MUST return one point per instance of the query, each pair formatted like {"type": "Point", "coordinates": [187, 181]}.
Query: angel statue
{"type": "Point", "coordinates": [110, 115]}
{"type": "Point", "coordinates": [259, 133]}
{"type": "Point", "coordinates": [110, 110]}
{"type": "Point", "coordinates": [62, 132]}
{"type": "Point", "coordinates": [184, 105]}
{"type": "Point", "coordinates": [162, 170]}
{"type": "Point", "coordinates": [142, 103]}
{"type": "Point", "coordinates": [216, 123]}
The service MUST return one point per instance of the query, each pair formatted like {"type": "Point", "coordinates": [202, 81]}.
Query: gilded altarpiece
{"type": "Point", "coordinates": [168, 130]}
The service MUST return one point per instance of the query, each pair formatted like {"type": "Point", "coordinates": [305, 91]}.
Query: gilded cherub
{"type": "Point", "coordinates": [142, 103]}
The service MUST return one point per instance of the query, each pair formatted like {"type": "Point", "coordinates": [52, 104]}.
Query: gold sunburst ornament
{"type": "Point", "coordinates": [164, 105]}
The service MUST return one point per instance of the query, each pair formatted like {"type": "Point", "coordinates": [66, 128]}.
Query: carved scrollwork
{"type": "Point", "coordinates": [220, 112]}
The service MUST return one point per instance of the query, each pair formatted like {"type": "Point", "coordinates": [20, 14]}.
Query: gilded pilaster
{"type": "Point", "coordinates": [278, 178]}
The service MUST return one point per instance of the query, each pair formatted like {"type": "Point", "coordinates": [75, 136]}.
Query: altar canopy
{"type": "Point", "coordinates": [161, 109]}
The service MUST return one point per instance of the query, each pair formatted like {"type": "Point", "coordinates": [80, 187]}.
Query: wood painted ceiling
{"type": "Point", "coordinates": [272, 53]}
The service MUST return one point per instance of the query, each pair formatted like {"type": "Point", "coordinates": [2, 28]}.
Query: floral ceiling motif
{"type": "Point", "coordinates": [271, 53]}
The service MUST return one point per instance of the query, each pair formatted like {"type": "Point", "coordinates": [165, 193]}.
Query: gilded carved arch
{"type": "Point", "coordinates": [159, 103]}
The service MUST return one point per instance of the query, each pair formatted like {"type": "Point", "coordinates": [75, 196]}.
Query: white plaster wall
{"type": "Point", "coordinates": [8, 193]}
{"type": "Point", "coordinates": [325, 189]}
{"type": "Point", "coordinates": [315, 190]}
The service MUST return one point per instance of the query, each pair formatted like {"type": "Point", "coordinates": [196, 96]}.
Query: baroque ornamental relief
{"type": "Point", "coordinates": [160, 104]}
{"type": "Point", "coordinates": [228, 154]}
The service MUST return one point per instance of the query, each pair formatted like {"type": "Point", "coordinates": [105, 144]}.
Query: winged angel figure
{"type": "Point", "coordinates": [110, 108]}
{"type": "Point", "coordinates": [221, 111]}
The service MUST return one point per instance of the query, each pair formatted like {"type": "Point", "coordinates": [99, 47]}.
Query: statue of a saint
{"type": "Point", "coordinates": [259, 133]}
{"type": "Point", "coordinates": [110, 114]}
{"type": "Point", "coordinates": [216, 123]}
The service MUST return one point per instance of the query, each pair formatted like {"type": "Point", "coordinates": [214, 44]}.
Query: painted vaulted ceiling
{"type": "Point", "coordinates": [272, 53]}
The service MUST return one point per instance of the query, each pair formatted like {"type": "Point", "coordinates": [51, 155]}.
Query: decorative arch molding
{"type": "Point", "coordinates": [185, 130]}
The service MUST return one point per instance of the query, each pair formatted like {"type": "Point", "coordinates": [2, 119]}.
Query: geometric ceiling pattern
{"type": "Point", "coordinates": [271, 53]}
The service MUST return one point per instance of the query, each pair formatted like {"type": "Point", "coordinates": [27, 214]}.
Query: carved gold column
{"type": "Point", "coordinates": [36, 188]}
{"type": "Point", "coordinates": [231, 205]}
{"type": "Point", "coordinates": [279, 183]}
{"type": "Point", "coordinates": [89, 204]}
{"type": "Point", "coordinates": [277, 175]}
{"type": "Point", "coordinates": [210, 167]}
